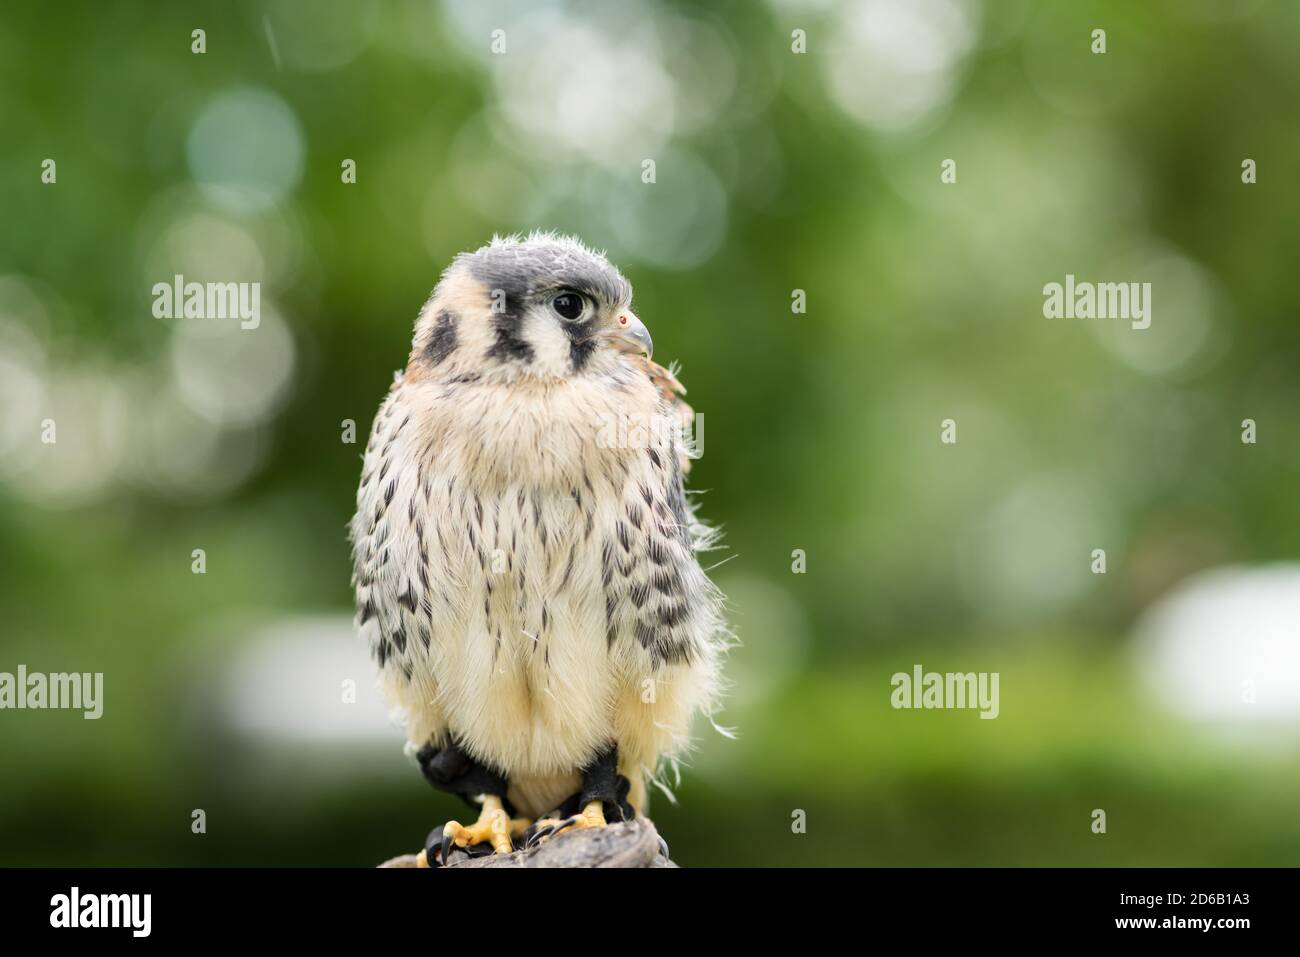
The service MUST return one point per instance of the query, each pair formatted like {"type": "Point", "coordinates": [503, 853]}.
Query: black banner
{"type": "Point", "coordinates": [333, 906]}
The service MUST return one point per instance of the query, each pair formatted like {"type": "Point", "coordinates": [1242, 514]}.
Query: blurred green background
{"type": "Point", "coordinates": [1165, 692]}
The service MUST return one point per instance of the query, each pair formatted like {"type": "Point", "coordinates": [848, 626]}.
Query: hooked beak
{"type": "Point", "coordinates": [629, 334]}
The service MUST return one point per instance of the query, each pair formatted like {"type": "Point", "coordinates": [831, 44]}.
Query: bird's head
{"type": "Point", "coordinates": [544, 307]}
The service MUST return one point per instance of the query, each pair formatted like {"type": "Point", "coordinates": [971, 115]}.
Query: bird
{"type": "Point", "coordinates": [526, 558]}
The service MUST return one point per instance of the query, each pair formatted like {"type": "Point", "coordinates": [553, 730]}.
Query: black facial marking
{"type": "Point", "coordinates": [582, 342]}
{"type": "Point", "coordinates": [505, 325]}
{"type": "Point", "coordinates": [443, 341]}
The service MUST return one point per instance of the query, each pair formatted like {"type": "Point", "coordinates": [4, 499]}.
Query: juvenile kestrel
{"type": "Point", "coordinates": [524, 550]}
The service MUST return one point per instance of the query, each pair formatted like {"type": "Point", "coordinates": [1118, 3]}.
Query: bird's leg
{"type": "Point", "coordinates": [494, 826]}
{"type": "Point", "coordinates": [604, 792]}
{"type": "Point", "coordinates": [451, 769]}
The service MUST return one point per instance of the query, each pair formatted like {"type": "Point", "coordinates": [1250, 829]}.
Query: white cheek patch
{"type": "Point", "coordinates": [550, 341]}
{"type": "Point", "coordinates": [476, 340]}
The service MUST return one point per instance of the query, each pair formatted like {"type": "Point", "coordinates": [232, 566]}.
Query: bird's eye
{"type": "Point", "coordinates": [569, 305]}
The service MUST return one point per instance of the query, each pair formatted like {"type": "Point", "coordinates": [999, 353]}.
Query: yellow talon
{"type": "Point", "coordinates": [592, 815]}
{"type": "Point", "coordinates": [493, 825]}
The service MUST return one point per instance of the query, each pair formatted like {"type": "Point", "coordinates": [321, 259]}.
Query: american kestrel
{"type": "Point", "coordinates": [525, 553]}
